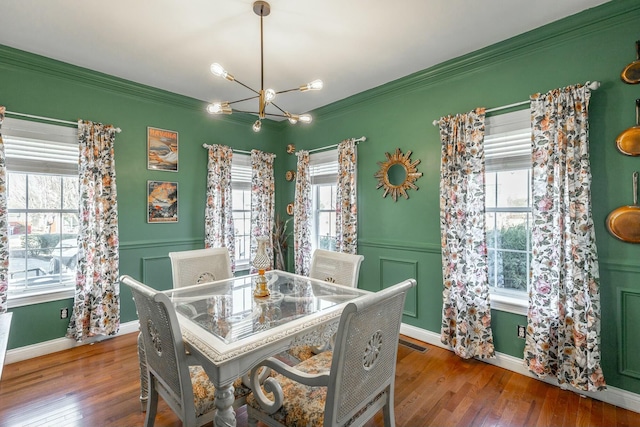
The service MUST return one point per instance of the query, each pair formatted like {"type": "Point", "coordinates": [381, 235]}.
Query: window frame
{"type": "Point", "coordinates": [323, 171]}
{"type": "Point", "coordinates": [241, 181]}
{"type": "Point", "coordinates": [37, 148]}
{"type": "Point", "coordinates": [507, 137]}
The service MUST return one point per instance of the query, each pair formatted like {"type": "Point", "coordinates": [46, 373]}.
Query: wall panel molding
{"type": "Point", "coordinates": [403, 246]}
{"type": "Point", "coordinates": [628, 337]}
{"type": "Point", "coordinates": [145, 244]}
{"type": "Point", "coordinates": [620, 266]}
{"type": "Point", "coordinates": [392, 271]}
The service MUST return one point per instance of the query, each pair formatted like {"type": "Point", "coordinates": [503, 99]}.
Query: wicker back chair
{"type": "Point", "coordinates": [200, 266]}
{"type": "Point", "coordinates": [189, 268]}
{"type": "Point", "coordinates": [166, 360]}
{"type": "Point", "coordinates": [336, 267]}
{"type": "Point", "coordinates": [330, 266]}
{"type": "Point", "coordinates": [346, 386]}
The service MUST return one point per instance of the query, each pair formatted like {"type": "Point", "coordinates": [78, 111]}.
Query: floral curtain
{"type": "Point", "coordinates": [563, 332]}
{"type": "Point", "coordinates": [466, 312]}
{"type": "Point", "coordinates": [4, 238]}
{"type": "Point", "coordinates": [96, 307]}
{"type": "Point", "coordinates": [262, 200]}
{"type": "Point", "coordinates": [218, 210]}
{"type": "Point", "coordinates": [302, 215]}
{"type": "Point", "coordinates": [346, 199]}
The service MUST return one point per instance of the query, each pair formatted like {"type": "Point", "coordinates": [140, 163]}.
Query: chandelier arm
{"type": "Point", "coordinates": [244, 111]}
{"type": "Point", "coordinates": [283, 112]}
{"type": "Point", "coordinates": [276, 115]}
{"type": "Point", "coordinates": [296, 89]}
{"type": "Point", "coordinates": [245, 99]}
{"type": "Point", "coordinates": [242, 84]}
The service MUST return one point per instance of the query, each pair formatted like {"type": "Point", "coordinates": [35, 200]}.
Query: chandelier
{"type": "Point", "coordinates": [265, 96]}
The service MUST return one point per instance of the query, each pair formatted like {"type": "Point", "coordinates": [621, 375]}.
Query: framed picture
{"type": "Point", "coordinates": [162, 201]}
{"type": "Point", "coordinates": [162, 149]}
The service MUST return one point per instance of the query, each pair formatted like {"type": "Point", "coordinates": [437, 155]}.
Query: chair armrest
{"type": "Point", "coordinates": [271, 385]}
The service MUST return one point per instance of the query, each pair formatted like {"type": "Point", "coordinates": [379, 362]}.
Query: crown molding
{"type": "Point", "coordinates": [22, 60]}
{"type": "Point", "coordinates": [593, 20]}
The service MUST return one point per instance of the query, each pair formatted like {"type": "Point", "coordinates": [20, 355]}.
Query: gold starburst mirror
{"type": "Point", "coordinates": [397, 174]}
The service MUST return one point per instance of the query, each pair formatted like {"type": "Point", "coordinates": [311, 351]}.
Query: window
{"type": "Point", "coordinates": [241, 187]}
{"type": "Point", "coordinates": [323, 169]}
{"type": "Point", "coordinates": [508, 205]}
{"type": "Point", "coordinates": [43, 206]}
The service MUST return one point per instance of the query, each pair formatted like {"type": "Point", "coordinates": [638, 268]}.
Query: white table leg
{"type": "Point", "coordinates": [225, 415]}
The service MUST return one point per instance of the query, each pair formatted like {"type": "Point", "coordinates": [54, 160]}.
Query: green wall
{"type": "Point", "coordinates": [398, 239]}
{"type": "Point", "coordinates": [43, 87]}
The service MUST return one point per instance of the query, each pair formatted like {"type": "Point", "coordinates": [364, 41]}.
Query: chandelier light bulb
{"type": "Point", "coordinates": [293, 118]}
{"type": "Point", "coordinates": [305, 118]}
{"type": "Point", "coordinates": [257, 125]}
{"type": "Point", "coordinates": [269, 95]}
{"type": "Point", "coordinates": [215, 108]}
{"type": "Point", "coordinates": [219, 108]}
{"type": "Point", "coordinates": [217, 70]}
{"type": "Point", "coordinates": [314, 85]}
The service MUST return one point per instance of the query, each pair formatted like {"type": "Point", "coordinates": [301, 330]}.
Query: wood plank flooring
{"type": "Point", "coordinates": [97, 385]}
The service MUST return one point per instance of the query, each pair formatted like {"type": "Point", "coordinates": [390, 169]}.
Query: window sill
{"type": "Point", "coordinates": [30, 298]}
{"type": "Point", "coordinates": [509, 304]}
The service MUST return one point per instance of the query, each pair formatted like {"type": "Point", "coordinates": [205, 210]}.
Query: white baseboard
{"type": "Point", "coordinates": [59, 344]}
{"type": "Point", "coordinates": [615, 396]}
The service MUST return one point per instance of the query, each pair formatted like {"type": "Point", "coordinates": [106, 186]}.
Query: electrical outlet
{"type": "Point", "coordinates": [521, 332]}
{"type": "Point", "coordinates": [64, 313]}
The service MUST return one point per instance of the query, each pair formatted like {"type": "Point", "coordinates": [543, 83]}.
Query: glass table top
{"type": "Point", "coordinates": [228, 309]}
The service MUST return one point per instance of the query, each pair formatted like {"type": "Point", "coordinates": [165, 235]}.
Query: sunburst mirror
{"type": "Point", "coordinates": [397, 174]}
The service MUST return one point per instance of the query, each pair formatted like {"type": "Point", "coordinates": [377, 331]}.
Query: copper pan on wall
{"type": "Point", "coordinates": [628, 142]}
{"type": "Point", "coordinates": [631, 73]}
{"type": "Point", "coordinates": [624, 222]}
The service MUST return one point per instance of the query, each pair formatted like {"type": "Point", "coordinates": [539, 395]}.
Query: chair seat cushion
{"type": "Point", "coordinates": [303, 405]}
{"type": "Point", "coordinates": [204, 391]}
{"type": "Point", "coordinates": [301, 352]}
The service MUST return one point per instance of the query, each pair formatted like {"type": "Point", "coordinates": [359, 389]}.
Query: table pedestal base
{"type": "Point", "coordinates": [225, 415]}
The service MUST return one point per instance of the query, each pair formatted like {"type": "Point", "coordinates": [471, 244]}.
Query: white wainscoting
{"type": "Point", "coordinates": [615, 396]}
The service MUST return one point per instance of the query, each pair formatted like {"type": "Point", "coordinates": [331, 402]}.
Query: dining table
{"type": "Point", "coordinates": [229, 331]}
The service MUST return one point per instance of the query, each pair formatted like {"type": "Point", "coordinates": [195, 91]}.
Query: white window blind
{"type": "Point", "coordinates": [241, 172]}
{"type": "Point", "coordinates": [507, 141]}
{"type": "Point", "coordinates": [40, 147]}
{"type": "Point", "coordinates": [323, 167]}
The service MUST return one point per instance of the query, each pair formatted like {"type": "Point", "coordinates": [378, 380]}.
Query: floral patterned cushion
{"type": "Point", "coordinates": [303, 405]}
{"type": "Point", "coordinates": [301, 352]}
{"type": "Point", "coordinates": [204, 391]}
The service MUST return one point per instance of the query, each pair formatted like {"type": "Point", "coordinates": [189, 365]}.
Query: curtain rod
{"type": "Point", "coordinates": [233, 149]}
{"type": "Point", "coordinates": [590, 85]}
{"type": "Point", "coordinates": [48, 119]}
{"type": "Point", "coordinates": [356, 140]}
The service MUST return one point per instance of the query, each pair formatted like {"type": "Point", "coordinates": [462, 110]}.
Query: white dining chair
{"type": "Point", "coordinates": [171, 372]}
{"type": "Point", "coordinates": [200, 266]}
{"type": "Point", "coordinates": [346, 386]}
{"type": "Point", "coordinates": [190, 268]}
{"type": "Point", "coordinates": [336, 267]}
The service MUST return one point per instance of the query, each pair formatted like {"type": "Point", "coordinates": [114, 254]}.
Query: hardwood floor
{"type": "Point", "coordinates": [98, 385]}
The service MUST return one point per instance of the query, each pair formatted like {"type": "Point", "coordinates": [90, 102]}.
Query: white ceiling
{"type": "Point", "coordinates": [352, 45]}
